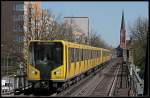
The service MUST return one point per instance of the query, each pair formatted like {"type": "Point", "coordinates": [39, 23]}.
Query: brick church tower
{"type": "Point", "coordinates": [122, 33]}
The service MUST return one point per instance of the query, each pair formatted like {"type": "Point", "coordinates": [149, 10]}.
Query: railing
{"type": "Point", "coordinates": [136, 83]}
{"type": "Point", "coordinates": [19, 84]}
{"type": "Point", "coordinates": [17, 81]}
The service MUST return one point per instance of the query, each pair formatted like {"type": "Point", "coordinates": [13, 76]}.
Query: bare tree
{"type": "Point", "coordinates": [43, 25]}
{"type": "Point", "coordinates": [97, 41]}
{"type": "Point", "coordinates": [40, 26]}
{"type": "Point", "coordinates": [138, 33]}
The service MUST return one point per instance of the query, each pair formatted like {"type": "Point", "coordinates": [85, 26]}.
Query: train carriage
{"type": "Point", "coordinates": [60, 61]}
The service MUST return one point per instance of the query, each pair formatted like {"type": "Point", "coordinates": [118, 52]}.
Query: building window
{"type": "Point", "coordinates": [14, 28]}
{"type": "Point", "coordinates": [18, 28]}
{"type": "Point", "coordinates": [19, 38]}
{"type": "Point", "coordinates": [20, 7]}
{"type": "Point", "coordinates": [19, 49]}
{"type": "Point", "coordinates": [18, 17]}
{"type": "Point", "coordinates": [21, 29]}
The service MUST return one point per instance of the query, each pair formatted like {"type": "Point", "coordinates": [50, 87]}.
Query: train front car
{"type": "Point", "coordinates": [45, 63]}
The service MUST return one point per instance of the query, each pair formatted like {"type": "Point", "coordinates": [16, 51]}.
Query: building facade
{"type": "Point", "coordinates": [14, 15]}
{"type": "Point", "coordinates": [80, 28]}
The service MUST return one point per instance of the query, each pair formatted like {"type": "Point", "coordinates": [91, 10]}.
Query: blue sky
{"type": "Point", "coordinates": [105, 17]}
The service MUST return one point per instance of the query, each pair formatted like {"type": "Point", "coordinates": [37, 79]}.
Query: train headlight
{"type": "Point", "coordinates": [34, 72]}
{"type": "Point", "coordinates": [58, 72]}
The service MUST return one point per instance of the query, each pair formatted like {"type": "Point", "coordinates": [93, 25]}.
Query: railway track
{"type": "Point", "coordinates": [98, 83]}
{"type": "Point", "coordinates": [90, 83]}
{"type": "Point", "coordinates": [122, 87]}
{"type": "Point", "coordinates": [104, 88]}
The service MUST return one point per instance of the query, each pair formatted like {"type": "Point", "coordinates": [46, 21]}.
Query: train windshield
{"type": "Point", "coordinates": [46, 53]}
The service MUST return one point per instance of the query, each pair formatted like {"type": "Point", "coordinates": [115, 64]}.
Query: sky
{"type": "Point", "coordinates": [104, 17]}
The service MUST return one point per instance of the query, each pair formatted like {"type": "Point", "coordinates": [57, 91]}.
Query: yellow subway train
{"type": "Point", "coordinates": [56, 62]}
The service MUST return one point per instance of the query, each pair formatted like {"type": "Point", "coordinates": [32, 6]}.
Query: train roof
{"type": "Point", "coordinates": [71, 43]}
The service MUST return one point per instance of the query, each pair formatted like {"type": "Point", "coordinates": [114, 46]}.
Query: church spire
{"type": "Point", "coordinates": [122, 32]}
{"type": "Point", "coordinates": [122, 21]}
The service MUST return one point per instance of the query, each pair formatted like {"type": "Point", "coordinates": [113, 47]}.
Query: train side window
{"type": "Point", "coordinates": [89, 54]}
{"type": "Point", "coordinates": [103, 53]}
{"type": "Point", "coordinates": [75, 57]}
{"type": "Point", "coordinates": [86, 54]}
{"type": "Point", "coordinates": [95, 54]}
{"type": "Point", "coordinates": [100, 53]}
{"type": "Point", "coordinates": [79, 54]}
{"type": "Point", "coordinates": [82, 54]}
{"type": "Point", "coordinates": [76, 54]}
{"type": "Point", "coordinates": [92, 54]}
{"type": "Point", "coordinates": [72, 55]}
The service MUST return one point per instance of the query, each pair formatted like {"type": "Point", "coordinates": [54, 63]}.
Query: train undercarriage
{"type": "Point", "coordinates": [47, 87]}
